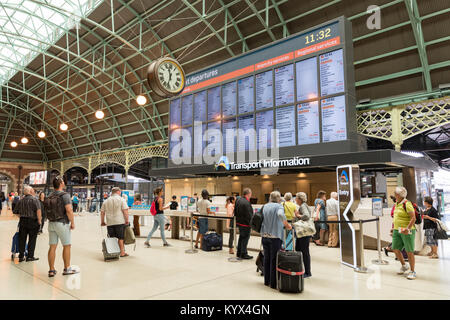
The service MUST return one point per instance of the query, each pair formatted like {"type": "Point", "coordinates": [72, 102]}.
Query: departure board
{"type": "Point", "coordinates": [264, 126]}
{"type": "Point", "coordinates": [333, 119]}
{"type": "Point", "coordinates": [308, 126]}
{"type": "Point", "coordinates": [175, 113]}
{"type": "Point", "coordinates": [301, 87]}
{"type": "Point", "coordinates": [284, 85]}
{"type": "Point", "coordinates": [332, 73]}
{"type": "Point", "coordinates": [229, 99]}
{"type": "Point", "coordinates": [247, 140]}
{"type": "Point", "coordinates": [200, 106]}
{"type": "Point", "coordinates": [178, 139]}
{"type": "Point", "coordinates": [229, 145]}
{"type": "Point", "coordinates": [186, 110]}
{"type": "Point", "coordinates": [246, 95]}
{"type": "Point", "coordinates": [213, 103]}
{"type": "Point", "coordinates": [285, 124]}
{"type": "Point", "coordinates": [264, 90]}
{"type": "Point", "coordinates": [307, 86]}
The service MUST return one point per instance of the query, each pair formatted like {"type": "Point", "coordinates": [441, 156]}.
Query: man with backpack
{"type": "Point", "coordinates": [403, 235]}
{"type": "Point", "coordinates": [29, 210]}
{"type": "Point", "coordinates": [58, 207]}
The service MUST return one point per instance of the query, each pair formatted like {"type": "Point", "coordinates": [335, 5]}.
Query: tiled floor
{"type": "Point", "coordinates": [170, 273]}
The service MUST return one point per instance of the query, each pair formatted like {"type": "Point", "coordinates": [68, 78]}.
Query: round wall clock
{"type": "Point", "coordinates": [166, 77]}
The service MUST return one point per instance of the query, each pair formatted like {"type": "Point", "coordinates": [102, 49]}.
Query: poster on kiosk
{"type": "Point", "coordinates": [349, 191]}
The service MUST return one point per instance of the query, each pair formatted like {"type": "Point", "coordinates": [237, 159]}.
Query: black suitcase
{"type": "Point", "coordinates": [260, 263]}
{"type": "Point", "coordinates": [290, 271]}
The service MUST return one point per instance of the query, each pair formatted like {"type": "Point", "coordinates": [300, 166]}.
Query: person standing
{"type": "Point", "coordinates": [15, 200]}
{"type": "Point", "coordinates": [430, 216]}
{"type": "Point", "coordinates": [289, 207]}
{"type": "Point", "coordinates": [230, 210]}
{"type": "Point", "coordinates": [243, 211]}
{"type": "Point", "coordinates": [136, 226]}
{"type": "Point", "coordinates": [115, 209]}
{"type": "Point", "coordinates": [204, 208]}
{"type": "Point", "coordinates": [44, 216]}
{"type": "Point", "coordinates": [320, 214]}
{"type": "Point", "coordinates": [75, 201]}
{"type": "Point", "coordinates": [174, 203]}
{"type": "Point", "coordinates": [29, 210]}
{"type": "Point", "coordinates": [403, 235]}
{"type": "Point", "coordinates": [333, 215]}
{"type": "Point", "coordinates": [2, 199]}
{"type": "Point", "coordinates": [158, 219]}
{"type": "Point", "coordinates": [302, 244]}
{"type": "Point", "coordinates": [272, 229]}
{"type": "Point", "coordinates": [58, 207]}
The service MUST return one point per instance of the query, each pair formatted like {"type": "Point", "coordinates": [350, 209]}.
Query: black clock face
{"type": "Point", "coordinates": [170, 76]}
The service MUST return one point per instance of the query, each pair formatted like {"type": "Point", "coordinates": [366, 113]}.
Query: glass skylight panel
{"type": "Point", "coordinates": [28, 27]}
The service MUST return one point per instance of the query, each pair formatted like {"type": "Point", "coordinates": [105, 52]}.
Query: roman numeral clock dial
{"type": "Point", "coordinates": [166, 77]}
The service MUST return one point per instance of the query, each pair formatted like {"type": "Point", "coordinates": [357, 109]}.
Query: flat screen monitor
{"type": "Point", "coordinates": [39, 177]}
{"type": "Point", "coordinates": [246, 95]}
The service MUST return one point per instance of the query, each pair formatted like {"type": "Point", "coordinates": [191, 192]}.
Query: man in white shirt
{"type": "Point", "coordinates": [115, 209]}
{"type": "Point", "coordinates": [333, 215]}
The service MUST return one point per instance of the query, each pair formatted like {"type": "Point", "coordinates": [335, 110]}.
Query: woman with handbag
{"type": "Point", "coordinates": [430, 216]}
{"type": "Point", "coordinates": [302, 243]}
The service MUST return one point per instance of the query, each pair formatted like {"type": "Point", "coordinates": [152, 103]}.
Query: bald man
{"type": "Point", "coordinates": [29, 210]}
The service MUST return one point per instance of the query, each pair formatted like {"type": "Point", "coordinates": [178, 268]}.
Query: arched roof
{"type": "Point", "coordinates": [61, 60]}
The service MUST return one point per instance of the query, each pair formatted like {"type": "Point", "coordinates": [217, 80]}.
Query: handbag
{"type": "Point", "coordinates": [304, 228]}
{"type": "Point", "coordinates": [129, 237]}
{"type": "Point", "coordinates": [440, 233]}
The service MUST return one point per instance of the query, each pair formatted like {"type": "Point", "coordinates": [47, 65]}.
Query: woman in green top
{"type": "Point", "coordinates": [403, 235]}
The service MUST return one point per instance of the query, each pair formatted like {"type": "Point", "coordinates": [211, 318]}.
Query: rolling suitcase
{"type": "Point", "coordinates": [110, 248]}
{"type": "Point", "coordinates": [290, 270]}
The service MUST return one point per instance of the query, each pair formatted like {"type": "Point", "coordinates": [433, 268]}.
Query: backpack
{"type": "Point", "coordinates": [54, 207]}
{"type": "Point", "coordinates": [417, 212]}
{"type": "Point", "coordinates": [257, 220]}
{"type": "Point", "coordinates": [153, 207]}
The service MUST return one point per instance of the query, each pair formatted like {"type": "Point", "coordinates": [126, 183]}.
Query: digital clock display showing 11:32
{"type": "Point", "coordinates": [322, 34]}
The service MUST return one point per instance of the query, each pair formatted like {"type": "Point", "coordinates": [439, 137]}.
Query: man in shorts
{"type": "Point", "coordinates": [58, 206]}
{"type": "Point", "coordinates": [115, 209]}
{"type": "Point", "coordinates": [403, 235]}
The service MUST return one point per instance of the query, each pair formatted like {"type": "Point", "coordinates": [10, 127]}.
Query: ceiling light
{"type": "Point", "coordinates": [141, 100]}
{"type": "Point", "coordinates": [99, 114]}
{"type": "Point", "coordinates": [63, 126]}
{"type": "Point", "coordinates": [13, 144]}
{"type": "Point", "coordinates": [24, 140]}
{"type": "Point", "coordinates": [41, 134]}
{"type": "Point", "coordinates": [414, 154]}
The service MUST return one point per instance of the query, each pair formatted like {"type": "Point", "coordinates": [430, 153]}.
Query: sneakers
{"type": "Point", "coordinates": [411, 275]}
{"type": "Point", "coordinates": [403, 269]}
{"type": "Point", "coordinates": [167, 245]}
{"type": "Point", "coordinates": [147, 244]}
{"type": "Point", "coordinates": [434, 256]}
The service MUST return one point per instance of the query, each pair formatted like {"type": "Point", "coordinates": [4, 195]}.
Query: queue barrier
{"type": "Point", "coordinates": [193, 250]}
{"type": "Point", "coordinates": [379, 261]}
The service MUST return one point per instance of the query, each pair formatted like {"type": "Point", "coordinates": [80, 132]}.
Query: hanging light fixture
{"type": "Point", "coordinates": [24, 140]}
{"type": "Point", "coordinates": [99, 114]}
{"type": "Point", "coordinates": [63, 126]}
{"type": "Point", "coordinates": [141, 100]}
{"type": "Point", "coordinates": [13, 144]}
{"type": "Point", "coordinates": [41, 134]}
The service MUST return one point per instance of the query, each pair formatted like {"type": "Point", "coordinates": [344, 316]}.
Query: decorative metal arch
{"type": "Point", "coordinates": [398, 123]}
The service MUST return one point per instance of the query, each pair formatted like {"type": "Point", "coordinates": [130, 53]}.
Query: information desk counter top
{"type": "Point", "coordinates": [172, 213]}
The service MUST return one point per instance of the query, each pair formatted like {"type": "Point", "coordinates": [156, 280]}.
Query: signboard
{"type": "Point", "coordinates": [377, 207]}
{"type": "Point", "coordinates": [348, 185]}
{"type": "Point", "coordinates": [306, 80]}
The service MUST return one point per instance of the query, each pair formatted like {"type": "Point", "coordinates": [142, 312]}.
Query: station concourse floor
{"type": "Point", "coordinates": [171, 274]}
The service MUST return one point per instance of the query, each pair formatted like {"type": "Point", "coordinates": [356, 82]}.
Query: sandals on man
{"type": "Point", "coordinates": [125, 255]}
{"type": "Point", "coordinates": [51, 273]}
